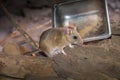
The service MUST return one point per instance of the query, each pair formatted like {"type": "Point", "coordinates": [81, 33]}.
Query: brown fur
{"type": "Point", "coordinates": [56, 39]}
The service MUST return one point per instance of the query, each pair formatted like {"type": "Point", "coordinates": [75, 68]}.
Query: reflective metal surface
{"type": "Point", "coordinates": [90, 16]}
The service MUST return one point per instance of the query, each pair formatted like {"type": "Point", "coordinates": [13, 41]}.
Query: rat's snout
{"type": "Point", "coordinates": [78, 43]}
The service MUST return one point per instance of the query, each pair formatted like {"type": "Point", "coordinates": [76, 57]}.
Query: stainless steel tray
{"type": "Point", "coordinates": [90, 16]}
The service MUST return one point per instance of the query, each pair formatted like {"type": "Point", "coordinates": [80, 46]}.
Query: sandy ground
{"type": "Point", "coordinates": [99, 60]}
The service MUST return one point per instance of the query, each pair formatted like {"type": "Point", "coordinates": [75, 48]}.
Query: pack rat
{"type": "Point", "coordinates": [54, 40]}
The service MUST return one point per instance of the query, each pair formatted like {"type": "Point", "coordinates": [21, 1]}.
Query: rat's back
{"type": "Point", "coordinates": [51, 38]}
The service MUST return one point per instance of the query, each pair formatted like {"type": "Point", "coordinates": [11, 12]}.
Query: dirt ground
{"type": "Point", "coordinates": [99, 60]}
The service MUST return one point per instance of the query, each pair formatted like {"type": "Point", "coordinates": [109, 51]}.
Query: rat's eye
{"type": "Point", "coordinates": [75, 37]}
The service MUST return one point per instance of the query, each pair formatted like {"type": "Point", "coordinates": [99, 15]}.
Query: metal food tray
{"type": "Point", "coordinates": [90, 16]}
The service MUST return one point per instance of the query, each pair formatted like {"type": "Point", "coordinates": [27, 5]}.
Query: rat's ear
{"type": "Point", "coordinates": [68, 30]}
{"type": "Point", "coordinates": [72, 25]}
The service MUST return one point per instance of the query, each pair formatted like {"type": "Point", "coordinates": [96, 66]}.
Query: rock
{"type": "Point", "coordinates": [37, 3]}
{"type": "Point", "coordinates": [16, 6]}
{"type": "Point", "coordinates": [1, 48]}
{"type": "Point", "coordinates": [114, 4]}
{"type": "Point", "coordinates": [43, 78]}
{"type": "Point", "coordinates": [69, 78]}
{"type": "Point", "coordinates": [6, 29]}
{"type": "Point", "coordinates": [12, 49]}
{"type": "Point", "coordinates": [21, 66]}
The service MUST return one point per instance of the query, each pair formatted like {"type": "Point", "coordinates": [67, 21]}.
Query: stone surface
{"type": "Point", "coordinates": [99, 60]}
{"type": "Point", "coordinates": [12, 49]}
{"type": "Point", "coordinates": [21, 66]}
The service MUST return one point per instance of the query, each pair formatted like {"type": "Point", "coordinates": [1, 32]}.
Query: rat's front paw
{"type": "Point", "coordinates": [71, 46]}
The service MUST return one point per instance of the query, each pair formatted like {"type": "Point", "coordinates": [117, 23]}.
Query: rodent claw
{"type": "Point", "coordinates": [71, 46]}
{"type": "Point", "coordinates": [64, 52]}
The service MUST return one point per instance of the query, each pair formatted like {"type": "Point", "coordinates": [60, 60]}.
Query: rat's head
{"type": "Point", "coordinates": [72, 35]}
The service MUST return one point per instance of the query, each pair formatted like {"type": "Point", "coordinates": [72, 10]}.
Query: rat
{"type": "Point", "coordinates": [54, 40]}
